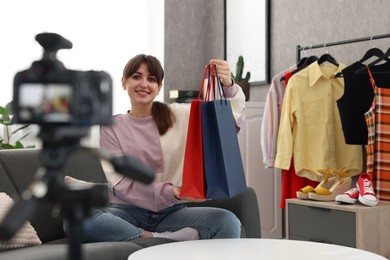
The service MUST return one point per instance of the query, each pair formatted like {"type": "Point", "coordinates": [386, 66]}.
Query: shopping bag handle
{"type": "Point", "coordinates": [219, 85]}
{"type": "Point", "coordinates": [213, 82]}
{"type": "Point", "coordinates": [206, 75]}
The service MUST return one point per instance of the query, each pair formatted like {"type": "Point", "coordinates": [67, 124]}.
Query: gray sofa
{"type": "Point", "coordinates": [18, 167]}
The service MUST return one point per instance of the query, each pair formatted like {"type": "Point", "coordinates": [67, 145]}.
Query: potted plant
{"type": "Point", "coordinates": [6, 120]}
{"type": "Point", "coordinates": [242, 82]}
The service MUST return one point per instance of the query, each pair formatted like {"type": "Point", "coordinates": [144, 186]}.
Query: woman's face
{"type": "Point", "coordinates": [142, 87]}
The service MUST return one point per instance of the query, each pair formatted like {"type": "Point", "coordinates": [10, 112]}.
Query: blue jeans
{"type": "Point", "coordinates": [123, 223]}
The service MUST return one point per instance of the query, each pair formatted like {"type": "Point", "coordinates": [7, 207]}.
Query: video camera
{"type": "Point", "coordinates": [48, 93]}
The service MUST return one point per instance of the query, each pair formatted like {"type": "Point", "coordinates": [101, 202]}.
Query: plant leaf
{"type": "Point", "coordinates": [5, 113]}
{"type": "Point", "coordinates": [18, 145]}
{"type": "Point", "coordinates": [6, 146]}
{"type": "Point", "coordinates": [8, 108]}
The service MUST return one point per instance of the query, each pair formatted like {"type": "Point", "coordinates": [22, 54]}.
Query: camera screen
{"type": "Point", "coordinates": [45, 103]}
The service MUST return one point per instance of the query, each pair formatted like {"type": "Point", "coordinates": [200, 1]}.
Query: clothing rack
{"type": "Point", "coordinates": [324, 45]}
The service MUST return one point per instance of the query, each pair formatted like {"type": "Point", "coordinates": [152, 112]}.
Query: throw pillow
{"type": "Point", "coordinates": [25, 237]}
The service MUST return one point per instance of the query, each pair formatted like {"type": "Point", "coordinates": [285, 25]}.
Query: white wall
{"type": "Point", "coordinates": [105, 35]}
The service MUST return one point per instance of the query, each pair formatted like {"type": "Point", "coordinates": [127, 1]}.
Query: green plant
{"type": "Point", "coordinates": [6, 120]}
{"type": "Point", "coordinates": [240, 70]}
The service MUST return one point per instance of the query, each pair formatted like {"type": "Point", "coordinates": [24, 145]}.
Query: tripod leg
{"type": "Point", "coordinates": [75, 235]}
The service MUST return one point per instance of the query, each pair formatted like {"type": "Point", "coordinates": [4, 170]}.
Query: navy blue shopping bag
{"type": "Point", "coordinates": [223, 168]}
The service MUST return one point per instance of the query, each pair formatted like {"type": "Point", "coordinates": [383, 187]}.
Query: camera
{"type": "Point", "coordinates": [49, 94]}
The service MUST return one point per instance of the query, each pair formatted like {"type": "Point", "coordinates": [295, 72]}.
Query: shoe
{"type": "Point", "coordinates": [366, 191]}
{"type": "Point", "coordinates": [327, 180]}
{"type": "Point", "coordinates": [342, 184]}
{"type": "Point", "coordinates": [304, 192]}
{"type": "Point", "coordinates": [351, 196]}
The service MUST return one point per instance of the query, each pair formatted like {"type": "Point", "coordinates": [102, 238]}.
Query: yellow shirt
{"type": "Point", "coordinates": [310, 127]}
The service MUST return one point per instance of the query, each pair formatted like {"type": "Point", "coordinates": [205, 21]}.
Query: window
{"type": "Point", "coordinates": [247, 34]}
{"type": "Point", "coordinates": [105, 35]}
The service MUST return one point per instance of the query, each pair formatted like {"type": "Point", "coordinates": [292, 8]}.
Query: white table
{"type": "Point", "coordinates": [245, 249]}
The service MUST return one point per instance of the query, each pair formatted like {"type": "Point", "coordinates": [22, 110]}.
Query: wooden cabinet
{"type": "Point", "coordinates": [266, 182]}
{"type": "Point", "coordinates": [356, 225]}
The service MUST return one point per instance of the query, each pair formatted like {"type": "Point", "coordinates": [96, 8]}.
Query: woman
{"type": "Point", "coordinates": [155, 134]}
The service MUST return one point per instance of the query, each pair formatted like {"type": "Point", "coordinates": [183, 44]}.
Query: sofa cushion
{"type": "Point", "coordinates": [26, 235]}
{"type": "Point", "coordinates": [80, 164]}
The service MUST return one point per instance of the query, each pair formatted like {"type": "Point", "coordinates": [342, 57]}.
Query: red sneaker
{"type": "Point", "coordinates": [366, 191]}
{"type": "Point", "coordinates": [351, 196]}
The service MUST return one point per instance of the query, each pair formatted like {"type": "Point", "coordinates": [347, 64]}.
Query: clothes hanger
{"type": "Point", "coordinates": [373, 52]}
{"type": "Point", "coordinates": [303, 63]}
{"type": "Point", "coordinates": [384, 57]}
{"type": "Point", "coordinates": [309, 60]}
{"type": "Point", "coordinates": [327, 57]}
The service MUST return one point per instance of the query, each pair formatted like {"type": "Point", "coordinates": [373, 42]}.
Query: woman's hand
{"type": "Point", "coordinates": [176, 193]}
{"type": "Point", "coordinates": [223, 68]}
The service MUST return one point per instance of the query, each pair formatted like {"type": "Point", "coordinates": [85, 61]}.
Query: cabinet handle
{"type": "Point", "coordinates": [319, 240]}
{"type": "Point", "coordinates": [318, 208]}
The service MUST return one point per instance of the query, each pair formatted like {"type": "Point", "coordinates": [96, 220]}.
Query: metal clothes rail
{"type": "Point", "coordinates": [324, 45]}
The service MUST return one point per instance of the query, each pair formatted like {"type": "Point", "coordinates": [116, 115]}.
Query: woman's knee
{"type": "Point", "coordinates": [223, 224]}
{"type": "Point", "coordinates": [104, 226]}
{"type": "Point", "coordinates": [230, 225]}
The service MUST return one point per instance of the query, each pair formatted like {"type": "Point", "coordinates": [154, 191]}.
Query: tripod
{"type": "Point", "coordinates": [48, 185]}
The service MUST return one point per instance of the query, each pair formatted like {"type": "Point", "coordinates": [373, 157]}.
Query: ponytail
{"type": "Point", "coordinates": [163, 116]}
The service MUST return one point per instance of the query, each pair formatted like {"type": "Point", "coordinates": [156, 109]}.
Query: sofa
{"type": "Point", "coordinates": [17, 169]}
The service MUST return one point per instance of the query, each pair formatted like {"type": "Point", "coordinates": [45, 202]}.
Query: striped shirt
{"type": "Point", "coordinates": [271, 117]}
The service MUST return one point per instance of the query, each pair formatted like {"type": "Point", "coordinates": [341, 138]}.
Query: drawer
{"type": "Point", "coordinates": [321, 224]}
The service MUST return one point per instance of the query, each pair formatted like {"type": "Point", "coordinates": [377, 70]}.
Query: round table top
{"type": "Point", "coordinates": [275, 249]}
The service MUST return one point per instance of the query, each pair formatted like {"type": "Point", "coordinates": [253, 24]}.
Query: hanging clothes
{"type": "Point", "coordinates": [269, 134]}
{"type": "Point", "coordinates": [291, 182]}
{"type": "Point", "coordinates": [378, 148]}
{"type": "Point", "coordinates": [271, 117]}
{"type": "Point", "coordinates": [357, 100]}
{"type": "Point", "coordinates": [310, 127]}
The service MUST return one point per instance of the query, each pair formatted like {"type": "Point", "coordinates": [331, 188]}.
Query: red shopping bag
{"type": "Point", "coordinates": [193, 182]}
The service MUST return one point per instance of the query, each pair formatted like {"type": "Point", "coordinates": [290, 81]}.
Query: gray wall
{"type": "Point", "coordinates": [194, 33]}
{"type": "Point", "coordinates": [307, 22]}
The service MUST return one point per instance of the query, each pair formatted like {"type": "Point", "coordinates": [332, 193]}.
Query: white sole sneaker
{"type": "Point", "coordinates": [368, 202]}
{"type": "Point", "coordinates": [350, 196]}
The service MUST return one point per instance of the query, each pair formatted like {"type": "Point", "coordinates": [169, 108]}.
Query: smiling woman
{"type": "Point", "coordinates": [103, 34]}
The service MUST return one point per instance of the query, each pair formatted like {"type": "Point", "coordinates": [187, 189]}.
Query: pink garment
{"type": "Point", "coordinates": [137, 137]}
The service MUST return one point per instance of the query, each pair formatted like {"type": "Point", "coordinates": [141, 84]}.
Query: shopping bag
{"type": "Point", "coordinates": [193, 181]}
{"type": "Point", "coordinates": [223, 168]}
